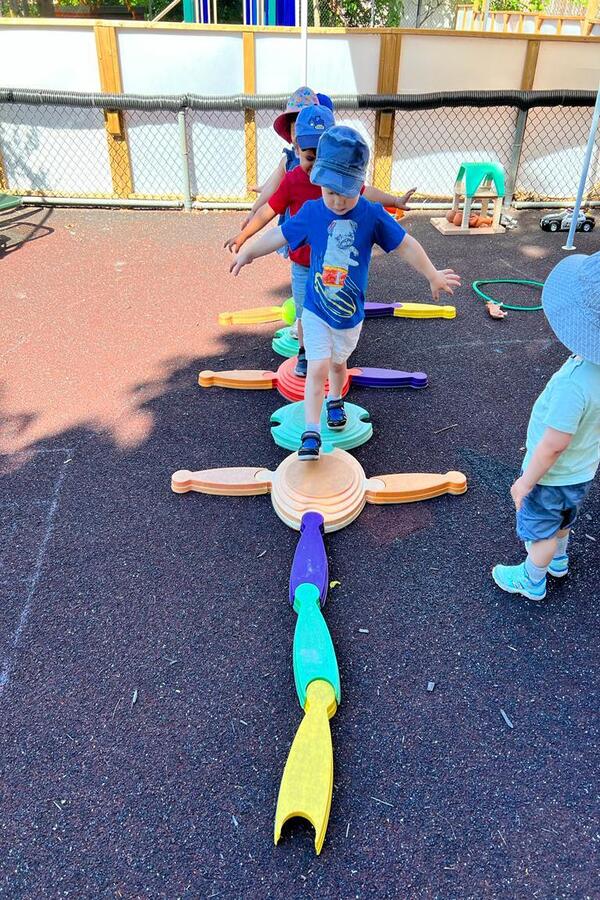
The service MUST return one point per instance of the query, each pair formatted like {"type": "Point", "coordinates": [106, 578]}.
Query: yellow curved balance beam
{"type": "Point", "coordinates": [307, 781]}
{"type": "Point", "coordinates": [261, 314]}
{"type": "Point", "coordinates": [424, 311]}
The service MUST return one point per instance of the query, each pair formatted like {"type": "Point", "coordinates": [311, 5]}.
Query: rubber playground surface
{"type": "Point", "coordinates": [146, 688]}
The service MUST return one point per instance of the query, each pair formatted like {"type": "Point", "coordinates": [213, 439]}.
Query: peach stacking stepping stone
{"type": "Point", "coordinates": [334, 485]}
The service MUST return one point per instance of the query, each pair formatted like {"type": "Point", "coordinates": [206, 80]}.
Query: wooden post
{"type": "Point", "coordinates": [110, 82]}
{"type": "Point", "coordinates": [389, 67]}
{"type": "Point", "coordinates": [531, 58]}
{"type": "Point", "coordinates": [3, 178]}
{"type": "Point", "coordinates": [249, 114]}
{"type": "Point", "coordinates": [591, 15]}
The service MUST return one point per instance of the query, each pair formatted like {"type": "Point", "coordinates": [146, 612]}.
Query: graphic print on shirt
{"type": "Point", "coordinates": [335, 291]}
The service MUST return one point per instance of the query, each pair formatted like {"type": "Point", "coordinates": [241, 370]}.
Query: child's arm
{"type": "Point", "coordinates": [265, 244]}
{"type": "Point", "coordinates": [412, 253]}
{"type": "Point", "coordinates": [267, 191]}
{"type": "Point", "coordinates": [262, 218]}
{"type": "Point", "coordinates": [552, 444]}
{"type": "Point", "coordinates": [376, 196]}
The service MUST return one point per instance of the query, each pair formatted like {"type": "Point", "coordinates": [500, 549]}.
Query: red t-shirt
{"type": "Point", "coordinates": [295, 189]}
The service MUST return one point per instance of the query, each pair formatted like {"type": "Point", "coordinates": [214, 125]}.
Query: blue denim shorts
{"type": "Point", "coordinates": [550, 508]}
{"type": "Point", "coordinates": [299, 282]}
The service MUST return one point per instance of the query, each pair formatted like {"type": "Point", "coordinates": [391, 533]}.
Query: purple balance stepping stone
{"type": "Point", "coordinates": [387, 378]}
{"type": "Point", "coordinates": [310, 559]}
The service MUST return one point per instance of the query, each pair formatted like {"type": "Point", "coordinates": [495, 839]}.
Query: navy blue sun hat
{"type": "Point", "coordinates": [571, 301]}
{"type": "Point", "coordinates": [312, 122]}
{"type": "Point", "coordinates": [342, 160]}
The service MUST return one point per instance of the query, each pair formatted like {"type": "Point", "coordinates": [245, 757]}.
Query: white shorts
{"type": "Point", "coordinates": [321, 341]}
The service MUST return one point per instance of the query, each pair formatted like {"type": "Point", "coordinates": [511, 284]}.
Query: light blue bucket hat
{"type": "Point", "coordinates": [571, 301]}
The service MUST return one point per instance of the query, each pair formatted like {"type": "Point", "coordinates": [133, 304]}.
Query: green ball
{"type": "Point", "coordinates": [288, 311]}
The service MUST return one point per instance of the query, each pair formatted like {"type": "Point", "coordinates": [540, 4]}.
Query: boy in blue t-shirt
{"type": "Point", "coordinates": [341, 229]}
{"type": "Point", "coordinates": [563, 437]}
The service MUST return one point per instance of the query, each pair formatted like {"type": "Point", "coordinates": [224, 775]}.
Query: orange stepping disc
{"type": "Point", "coordinates": [334, 485]}
{"type": "Point", "coordinates": [289, 385]}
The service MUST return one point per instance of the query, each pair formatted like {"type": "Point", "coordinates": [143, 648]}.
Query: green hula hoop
{"type": "Point", "coordinates": [489, 299]}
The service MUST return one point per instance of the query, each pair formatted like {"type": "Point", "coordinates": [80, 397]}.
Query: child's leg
{"type": "Point", "coordinates": [344, 341]}
{"type": "Point", "coordinates": [299, 280]}
{"type": "Point", "coordinates": [543, 522]}
{"type": "Point", "coordinates": [337, 376]}
{"type": "Point", "coordinates": [558, 566]}
{"type": "Point", "coordinates": [318, 351]}
{"type": "Point", "coordinates": [314, 392]}
{"type": "Point", "coordinates": [542, 552]}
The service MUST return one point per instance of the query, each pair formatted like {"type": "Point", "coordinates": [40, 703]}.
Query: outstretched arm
{"type": "Point", "coordinates": [376, 196]}
{"type": "Point", "coordinates": [262, 218]}
{"type": "Point", "coordinates": [411, 251]}
{"type": "Point", "coordinates": [267, 191]}
{"type": "Point", "coordinates": [265, 244]}
{"type": "Point", "coordinates": [552, 444]}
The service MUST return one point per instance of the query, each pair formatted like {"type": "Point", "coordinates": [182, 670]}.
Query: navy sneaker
{"type": "Point", "coordinates": [336, 414]}
{"type": "Point", "coordinates": [310, 448]}
{"type": "Point", "coordinates": [516, 580]}
{"type": "Point", "coordinates": [301, 364]}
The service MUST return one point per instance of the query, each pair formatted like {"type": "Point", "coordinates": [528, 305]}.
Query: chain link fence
{"type": "Point", "coordinates": [212, 151]}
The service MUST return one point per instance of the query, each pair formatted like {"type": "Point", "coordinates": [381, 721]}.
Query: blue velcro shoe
{"type": "Point", "coordinates": [515, 580]}
{"type": "Point", "coordinates": [310, 448]}
{"type": "Point", "coordinates": [336, 414]}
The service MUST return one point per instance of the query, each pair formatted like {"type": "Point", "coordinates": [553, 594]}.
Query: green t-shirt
{"type": "Point", "coordinates": [570, 402]}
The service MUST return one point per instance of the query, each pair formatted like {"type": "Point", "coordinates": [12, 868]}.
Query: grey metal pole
{"type": "Point", "coordinates": [185, 168]}
{"type": "Point", "coordinates": [515, 159]}
{"type": "Point", "coordinates": [584, 173]}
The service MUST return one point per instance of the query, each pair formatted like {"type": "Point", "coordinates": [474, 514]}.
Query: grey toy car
{"type": "Point", "coordinates": [561, 221]}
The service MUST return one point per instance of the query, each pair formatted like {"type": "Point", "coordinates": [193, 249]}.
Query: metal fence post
{"type": "Point", "coordinates": [185, 167]}
{"type": "Point", "coordinates": [515, 157]}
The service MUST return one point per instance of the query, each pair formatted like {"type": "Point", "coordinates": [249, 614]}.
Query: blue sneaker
{"type": "Point", "coordinates": [515, 580]}
{"type": "Point", "coordinates": [559, 566]}
{"type": "Point", "coordinates": [301, 368]}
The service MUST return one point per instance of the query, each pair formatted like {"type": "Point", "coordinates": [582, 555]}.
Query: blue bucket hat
{"type": "Point", "coordinates": [312, 122]}
{"type": "Point", "coordinates": [571, 301]}
{"type": "Point", "coordinates": [342, 159]}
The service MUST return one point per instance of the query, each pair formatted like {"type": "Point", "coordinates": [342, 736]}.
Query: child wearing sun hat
{"type": "Point", "coordinates": [563, 436]}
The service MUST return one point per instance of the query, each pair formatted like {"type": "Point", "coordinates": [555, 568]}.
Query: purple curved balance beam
{"type": "Point", "coordinates": [379, 310]}
{"type": "Point", "coordinates": [387, 378]}
{"type": "Point", "coordinates": [310, 559]}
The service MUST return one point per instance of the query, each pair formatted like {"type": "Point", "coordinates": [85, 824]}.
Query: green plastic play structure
{"type": "Point", "coordinates": [477, 173]}
{"type": "Point", "coordinates": [7, 201]}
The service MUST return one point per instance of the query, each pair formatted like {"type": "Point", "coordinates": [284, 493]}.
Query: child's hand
{"type": "Point", "coordinates": [519, 491]}
{"type": "Point", "coordinates": [443, 280]}
{"type": "Point", "coordinates": [402, 201]}
{"type": "Point", "coordinates": [233, 244]}
{"type": "Point", "coordinates": [242, 258]}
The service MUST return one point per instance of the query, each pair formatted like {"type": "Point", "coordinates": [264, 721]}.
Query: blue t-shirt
{"type": "Point", "coordinates": [340, 254]}
{"type": "Point", "coordinates": [570, 402]}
